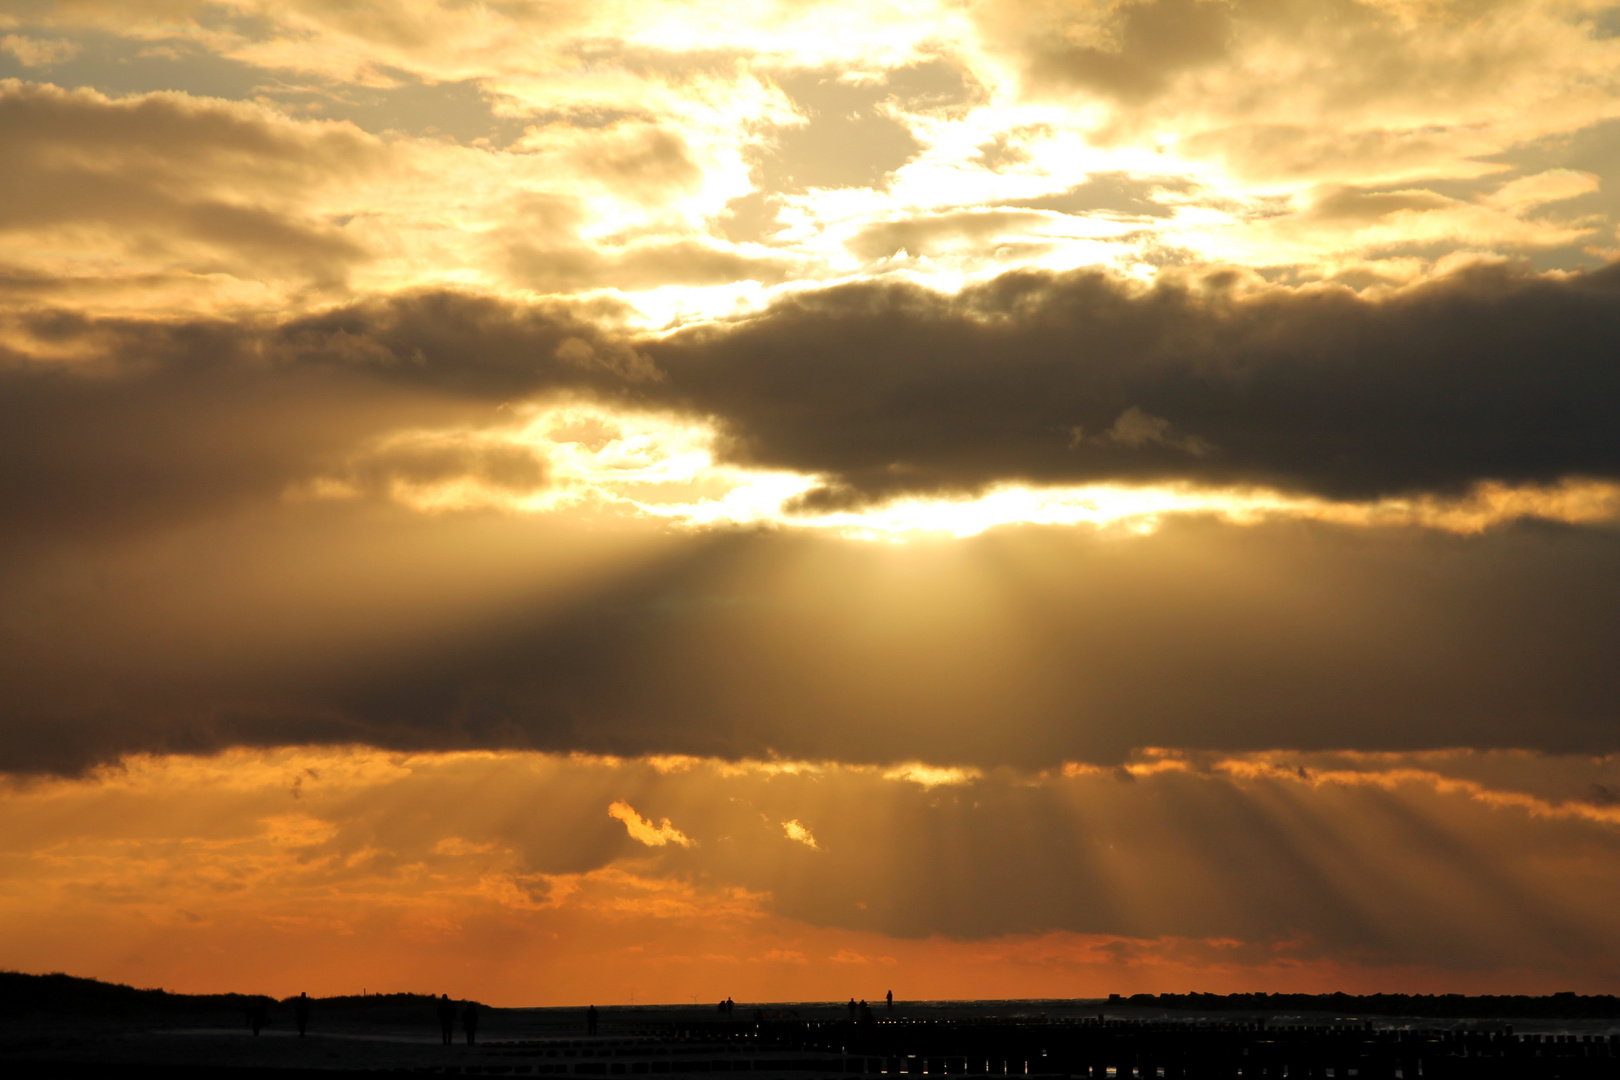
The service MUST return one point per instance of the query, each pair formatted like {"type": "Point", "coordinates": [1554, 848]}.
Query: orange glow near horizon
{"type": "Point", "coordinates": [325, 870]}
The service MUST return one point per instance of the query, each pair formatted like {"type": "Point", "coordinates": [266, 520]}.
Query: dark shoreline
{"type": "Point", "coordinates": [61, 994]}
{"type": "Point", "coordinates": [59, 1026]}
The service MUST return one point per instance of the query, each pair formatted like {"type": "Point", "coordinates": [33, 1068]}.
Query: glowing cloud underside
{"type": "Point", "coordinates": [662, 466]}
{"type": "Point", "coordinates": [644, 830]}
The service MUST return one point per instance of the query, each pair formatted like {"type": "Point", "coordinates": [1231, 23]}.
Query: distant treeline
{"type": "Point", "coordinates": [1458, 1006]}
{"type": "Point", "coordinates": [20, 993]}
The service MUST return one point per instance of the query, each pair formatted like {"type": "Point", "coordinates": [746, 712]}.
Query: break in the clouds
{"type": "Point", "coordinates": [940, 403]}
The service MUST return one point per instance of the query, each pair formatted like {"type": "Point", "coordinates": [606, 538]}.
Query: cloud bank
{"type": "Point", "coordinates": [1309, 872]}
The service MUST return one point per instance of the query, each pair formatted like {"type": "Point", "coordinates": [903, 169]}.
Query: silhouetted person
{"type": "Point", "coordinates": [731, 1007]}
{"type": "Point", "coordinates": [469, 1021]}
{"type": "Point", "coordinates": [258, 1015]}
{"type": "Point", "coordinates": [722, 1006]}
{"type": "Point", "coordinates": [447, 1020]}
{"type": "Point", "coordinates": [891, 1001]}
{"type": "Point", "coordinates": [852, 1008]}
{"type": "Point", "coordinates": [590, 1020]}
{"type": "Point", "coordinates": [866, 1013]}
{"type": "Point", "coordinates": [301, 1013]}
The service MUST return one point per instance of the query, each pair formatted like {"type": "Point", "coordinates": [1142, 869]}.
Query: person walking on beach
{"type": "Point", "coordinates": [258, 1014]}
{"type": "Point", "coordinates": [891, 1001]}
{"type": "Point", "coordinates": [301, 1013]}
{"type": "Point", "coordinates": [447, 1020]}
{"type": "Point", "coordinates": [590, 1020]}
{"type": "Point", "coordinates": [469, 1021]}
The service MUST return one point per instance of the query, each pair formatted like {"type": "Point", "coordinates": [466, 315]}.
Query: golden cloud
{"type": "Point", "coordinates": [644, 831]}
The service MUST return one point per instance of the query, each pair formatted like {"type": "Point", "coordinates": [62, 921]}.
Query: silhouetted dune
{"type": "Point", "coordinates": [22, 994]}
{"type": "Point", "coordinates": [68, 995]}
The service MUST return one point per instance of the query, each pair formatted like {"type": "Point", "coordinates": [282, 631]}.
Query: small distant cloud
{"type": "Point", "coordinates": [297, 830]}
{"type": "Point", "coordinates": [796, 831]}
{"type": "Point", "coordinates": [846, 956]}
{"type": "Point", "coordinates": [39, 52]}
{"type": "Point", "coordinates": [785, 956]}
{"type": "Point", "coordinates": [644, 830]}
{"type": "Point", "coordinates": [666, 764]}
{"type": "Point", "coordinates": [455, 845]}
{"type": "Point", "coordinates": [932, 775]}
{"type": "Point", "coordinates": [1135, 428]}
{"type": "Point", "coordinates": [1554, 185]}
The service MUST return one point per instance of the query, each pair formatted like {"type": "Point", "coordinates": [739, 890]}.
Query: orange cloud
{"type": "Point", "coordinates": [643, 830]}
{"type": "Point", "coordinates": [798, 832]}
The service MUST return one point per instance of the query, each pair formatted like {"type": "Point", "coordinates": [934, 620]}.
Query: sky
{"type": "Point", "coordinates": [568, 502]}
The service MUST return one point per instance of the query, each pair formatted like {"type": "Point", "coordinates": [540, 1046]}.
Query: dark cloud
{"type": "Point", "coordinates": [175, 139]}
{"type": "Point", "coordinates": [212, 185]}
{"type": "Point", "coordinates": [462, 345]}
{"type": "Point", "coordinates": [1490, 374]}
{"type": "Point", "coordinates": [165, 421]}
{"type": "Point", "coordinates": [1331, 90]}
{"type": "Point", "coordinates": [883, 388]}
{"type": "Point", "coordinates": [646, 161]}
{"type": "Point", "coordinates": [927, 235]}
{"type": "Point", "coordinates": [1153, 42]}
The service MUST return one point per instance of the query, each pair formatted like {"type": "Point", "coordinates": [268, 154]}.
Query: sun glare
{"type": "Point", "coordinates": [665, 466]}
